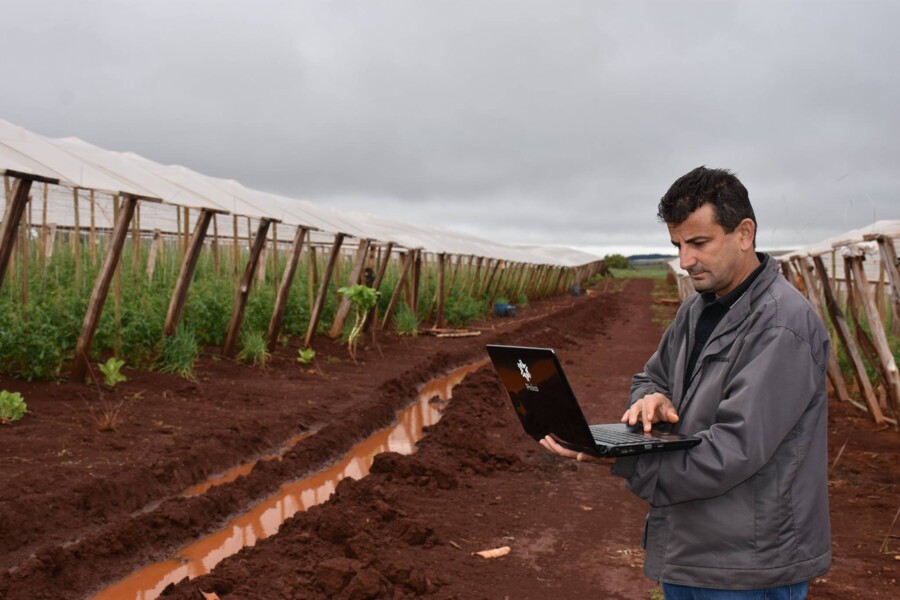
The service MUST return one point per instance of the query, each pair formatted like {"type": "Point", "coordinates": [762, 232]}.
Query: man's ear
{"type": "Point", "coordinates": [746, 230]}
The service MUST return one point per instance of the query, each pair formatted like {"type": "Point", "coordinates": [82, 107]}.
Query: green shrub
{"type": "Point", "coordinates": [464, 309]}
{"type": "Point", "coordinates": [616, 261]}
{"type": "Point", "coordinates": [12, 407]}
{"type": "Point", "coordinates": [362, 298]}
{"type": "Point", "coordinates": [407, 323]}
{"type": "Point", "coordinates": [178, 353]}
{"type": "Point", "coordinates": [254, 350]}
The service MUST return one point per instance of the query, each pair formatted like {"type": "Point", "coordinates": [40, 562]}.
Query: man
{"type": "Point", "coordinates": [744, 514]}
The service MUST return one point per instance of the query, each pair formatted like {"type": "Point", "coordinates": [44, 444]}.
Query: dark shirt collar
{"type": "Point", "coordinates": [731, 297]}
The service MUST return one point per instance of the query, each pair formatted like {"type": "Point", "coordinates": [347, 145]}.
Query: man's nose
{"type": "Point", "coordinates": [687, 258]}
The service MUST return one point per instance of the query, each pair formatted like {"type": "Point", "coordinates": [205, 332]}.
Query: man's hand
{"type": "Point", "coordinates": [550, 444]}
{"type": "Point", "coordinates": [651, 409]}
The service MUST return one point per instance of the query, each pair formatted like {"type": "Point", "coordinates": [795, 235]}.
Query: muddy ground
{"type": "Point", "coordinates": [81, 508]}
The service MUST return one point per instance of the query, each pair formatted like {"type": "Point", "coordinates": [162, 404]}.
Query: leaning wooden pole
{"type": "Point", "coordinates": [343, 310]}
{"type": "Point", "coordinates": [242, 293]}
{"type": "Point", "coordinates": [186, 274]}
{"type": "Point", "coordinates": [833, 368]}
{"type": "Point", "coordinates": [846, 340]}
{"type": "Point", "coordinates": [890, 264]}
{"type": "Point", "coordinates": [316, 312]}
{"type": "Point", "coordinates": [879, 336]}
{"type": "Point", "coordinates": [101, 288]}
{"type": "Point", "coordinates": [379, 278]}
{"type": "Point", "coordinates": [284, 290]}
{"type": "Point", "coordinates": [15, 208]}
{"type": "Point", "coordinates": [404, 273]}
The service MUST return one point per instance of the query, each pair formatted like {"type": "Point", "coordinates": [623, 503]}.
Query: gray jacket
{"type": "Point", "coordinates": [748, 507]}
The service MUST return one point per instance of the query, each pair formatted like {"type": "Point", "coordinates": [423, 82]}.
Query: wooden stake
{"type": "Point", "coordinates": [186, 273]}
{"type": "Point", "coordinates": [384, 258]}
{"type": "Point", "coordinates": [215, 244]}
{"type": "Point", "coordinates": [242, 293]}
{"type": "Point", "coordinates": [154, 250]}
{"type": "Point", "coordinates": [846, 340]}
{"type": "Point", "coordinates": [892, 377]}
{"type": "Point", "coordinates": [833, 368]}
{"type": "Point", "coordinates": [101, 288]}
{"type": "Point", "coordinates": [344, 307]}
{"type": "Point", "coordinates": [16, 200]}
{"type": "Point", "coordinates": [93, 237]}
{"type": "Point", "coordinates": [284, 289]}
{"type": "Point", "coordinates": [439, 324]}
{"type": "Point", "coordinates": [316, 312]}
{"type": "Point", "coordinates": [408, 260]}
{"type": "Point", "coordinates": [76, 240]}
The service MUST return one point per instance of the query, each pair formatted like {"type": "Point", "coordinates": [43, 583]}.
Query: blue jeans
{"type": "Point", "coordinates": [787, 592]}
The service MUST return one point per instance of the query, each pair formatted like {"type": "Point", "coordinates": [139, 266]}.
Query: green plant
{"type": "Point", "coordinates": [407, 323]}
{"type": "Point", "coordinates": [112, 371]}
{"type": "Point", "coordinates": [306, 355]}
{"type": "Point", "coordinates": [362, 298]}
{"type": "Point", "coordinates": [12, 407]}
{"type": "Point", "coordinates": [178, 353]}
{"type": "Point", "coordinates": [616, 261]}
{"type": "Point", "coordinates": [254, 349]}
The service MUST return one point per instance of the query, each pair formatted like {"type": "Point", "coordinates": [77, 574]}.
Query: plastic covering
{"type": "Point", "coordinates": [85, 171]}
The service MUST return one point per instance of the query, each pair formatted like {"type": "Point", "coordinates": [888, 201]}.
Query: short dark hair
{"type": "Point", "coordinates": [718, 187]}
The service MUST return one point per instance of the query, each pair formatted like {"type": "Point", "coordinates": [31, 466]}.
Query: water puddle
{"type": "Point", "coordinates": [264, 519]}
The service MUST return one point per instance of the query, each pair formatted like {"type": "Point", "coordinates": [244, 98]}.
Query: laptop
{"type": "Point", "coordinates": [545, 404]}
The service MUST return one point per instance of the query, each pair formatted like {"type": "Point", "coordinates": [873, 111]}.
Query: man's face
{"type": "Point", "coordinates": [714, 259]}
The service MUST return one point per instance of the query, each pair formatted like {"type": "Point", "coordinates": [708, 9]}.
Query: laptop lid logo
{"type": "Point", "coordinates": [523, 371]}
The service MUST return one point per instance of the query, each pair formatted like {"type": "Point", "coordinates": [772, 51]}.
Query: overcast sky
{"type": "Point", "coordinates": [553, 122]}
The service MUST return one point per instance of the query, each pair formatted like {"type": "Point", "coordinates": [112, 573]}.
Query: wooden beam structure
{"type": "Point", "coordinates": [892, 269]}
{"type": "Point", "coordinates": [846, 340]}
{"type": "Point", "coordinates": [17, 200]}
{"type": "Point", "coordinates": [284, 289]}
{"type": "Point", "coordinates": [879, 336]}
{"type": "Point", "coordinates": [812, 294]}
{"type": "Point", "coordinates": [101, 288]}
{"type": "Point", "coordinates": [441, 292]}
{"type": "Point", "coordinates": [385, 259]}
{"type": "Point", "coordinates": [359, 262]}
{"type": "Point", "coordinates": [408, 260]}
{"type": "Point", "coordinates": [242, 293]}
{"type": "Point", "coordinates": [186, 273]}
{"type": "Point", "coordinates": [316, 312]}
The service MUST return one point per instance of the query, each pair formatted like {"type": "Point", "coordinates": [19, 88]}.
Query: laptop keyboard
{"type": "Point", "coordinates": [604, 435]}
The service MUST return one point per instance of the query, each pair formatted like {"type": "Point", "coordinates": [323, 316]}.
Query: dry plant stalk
{"type": "Point", "coordinates": [494, 552]}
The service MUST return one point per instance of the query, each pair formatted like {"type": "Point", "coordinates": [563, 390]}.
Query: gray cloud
{"type": "Point", "coordinates": [533, 122]}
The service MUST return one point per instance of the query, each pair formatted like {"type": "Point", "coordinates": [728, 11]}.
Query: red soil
{"type": "Point", "coordinates": [81, 508]}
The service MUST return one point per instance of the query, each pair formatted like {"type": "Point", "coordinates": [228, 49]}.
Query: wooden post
{"type": "Point", "coordinates": [879, 337]}
{"type": "Point", "coordinates": [16, 200]}
{"type": "Point", "coordinates": [475, 277]}
{"type": "Point", "coordinates": [343, 310]}
{"type": "Point", "coordinates": [316, 313]}
{"type": "Point", "coordinates": [229, 349]}
{"type": "Point", "coordinates": [312, 274]}
{"type": "Point", "coordinates": [154, 250]}
{"type": "Point", "coordinates": [833, 368]}
{"type": "Point", "coordinates": [44, 227]}
{"type": "Point", "coordinates": [235, 247]}
{"type": "Point", "coordinates": [93, 237]}
{"type": "Point", "coordinates": [284, 290]}
{"type": "Point", "coordinates": [76, 239]}
{"type": "Point", "coordinates": [417, 277]}
{"type": "Point", "coordinates": [136, 243]}
{"type": "Point", "coordinates": [846, 340]}
{"type": "Point", "coordinates": [383, 261]}
{"type": "Point", "coordinates": [215, 244]}
{"type": "Point", "coordinates": [186, 274]}
{"type": "Point", "coordinates": [101, 289]}
{"type": "Point", "coordinates": [889, 261]}
{"type": "Point", "coordinates": [440, 291]}
{"type": "Point", "coordinates": [408, 260]}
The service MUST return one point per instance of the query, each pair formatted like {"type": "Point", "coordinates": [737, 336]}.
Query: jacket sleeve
{"type": "Point", "coordinates": [774, 378]}
{"type": "Point", "coordinates": [654, 376]}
